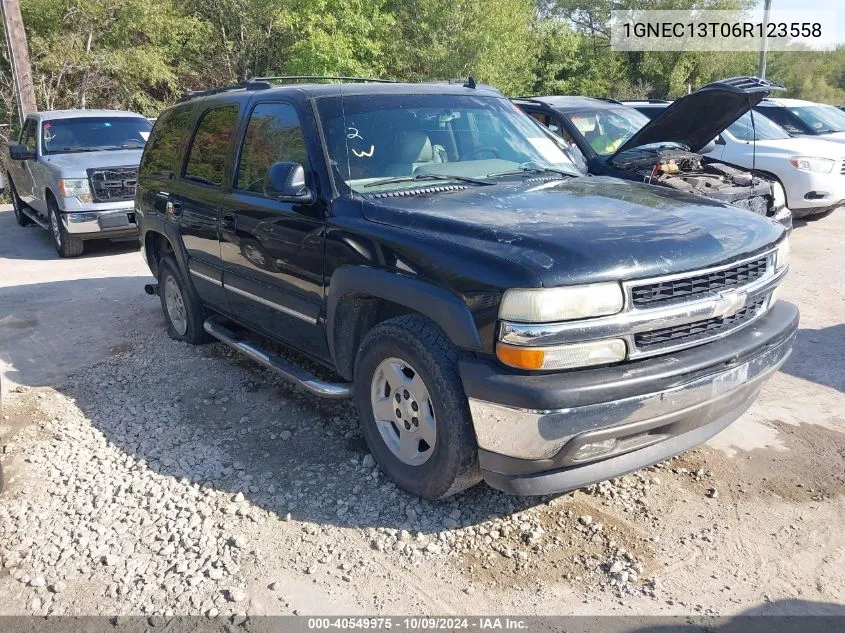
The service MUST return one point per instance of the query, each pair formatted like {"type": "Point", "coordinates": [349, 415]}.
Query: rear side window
{"type": "Point", "coordinates": [272, 136]}
{"type": "Point", "coordinates": [207, 154]}
{"type": "Point", "coordinates": [161, 155]}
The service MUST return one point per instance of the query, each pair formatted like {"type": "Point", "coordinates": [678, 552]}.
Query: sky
{"type": "Point", "coordinates": [814, 5]}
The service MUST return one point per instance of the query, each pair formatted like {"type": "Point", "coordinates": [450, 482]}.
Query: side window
{"type": "Point", "coordinates": [207, 154]}
{"type": "Point", "coordinates": [28, 134]}
{"type": "Point", "coordinates": [161, 155]}
{"type": "Point", "coordinates": [273, 135]}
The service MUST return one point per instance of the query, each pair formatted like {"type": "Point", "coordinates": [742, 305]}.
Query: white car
{"type": "Point", "coordinates": [811, 170]}
{"type": "Point", "coordinates": [805, 118]}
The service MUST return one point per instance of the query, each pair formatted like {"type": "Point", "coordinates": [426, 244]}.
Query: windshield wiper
{"type": "Point", "coordinates": [530, 169]}
{"type": "Point", "coordinates": [418, 177]}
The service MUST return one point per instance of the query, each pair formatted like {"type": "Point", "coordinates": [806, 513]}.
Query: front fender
{"type": "Point", "coordinates": [444, 308]}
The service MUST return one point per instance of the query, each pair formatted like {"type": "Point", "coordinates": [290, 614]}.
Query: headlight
{"type": "Point", "coordinates": [812, 163]}
{"type": "Point", "coordinates": [75, 187]}
{"type": "Point", "coordinates": [545, 305]}
{"type": "Point", "coordinates": [563, 356]}
{"type": "Point", "coordinates": [782, 254]}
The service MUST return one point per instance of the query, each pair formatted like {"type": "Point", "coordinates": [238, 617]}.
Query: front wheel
{"type": "Point", "coordinates": [413, 411]}
{"type": "Point", "coordinates": [66, 246]}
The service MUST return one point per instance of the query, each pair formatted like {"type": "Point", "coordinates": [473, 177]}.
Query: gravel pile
{"type": "Point", "coordinates": [159, 480]}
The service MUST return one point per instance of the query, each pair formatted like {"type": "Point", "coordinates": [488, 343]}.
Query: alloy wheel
{"type": "Point", "coordinates": [175, 305]}
{"type": "Point", "coordinates": [403, 411]}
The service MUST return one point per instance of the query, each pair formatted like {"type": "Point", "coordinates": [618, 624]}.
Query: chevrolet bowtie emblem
{"type": "Point", "coordinates": [729, 303]}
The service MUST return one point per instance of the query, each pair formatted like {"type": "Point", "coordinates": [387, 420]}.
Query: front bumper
{"type": "Point", "coordinates": [108, 223]}
{"type": "Point", "coordinates": [537, 434]}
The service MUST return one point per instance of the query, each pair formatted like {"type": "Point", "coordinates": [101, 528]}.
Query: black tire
{"type": "Point", "coordinates": [18, 204]}
{"type": "Point", "coordinates": [453, 462]}
{"type": "Point", "coordinates": [66, 245]}
{"type": "Point", "coordinates": [195, 313]}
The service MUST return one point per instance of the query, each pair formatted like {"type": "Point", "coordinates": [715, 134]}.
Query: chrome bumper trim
{"type": "Point", "coordinates": [628, 323]}
{"type": "Point", "coordinates": [542, 434]}
{"type": "Point", "coordinates": [90, 221]}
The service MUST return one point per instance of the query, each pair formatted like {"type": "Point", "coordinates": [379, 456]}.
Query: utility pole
{"type": "Point", "coordinates": [18, 57]}
{"type": "Point", "coordinates": [764, 45]}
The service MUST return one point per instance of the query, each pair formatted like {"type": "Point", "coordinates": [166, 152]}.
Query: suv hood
{"type": "Point", "coordinates": [698, 118]}
{"type": "Point", "coordinates": [79, 162]}
{"type": "Point", "coordinates": [584, 230]}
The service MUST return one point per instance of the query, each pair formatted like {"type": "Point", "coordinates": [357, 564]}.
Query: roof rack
{"type": "Point", "coordinates": [244, 85]}
{"type": "Point", "coordinates": [531, 99]}
{"type": "Point", "coordinates": [313, 78]}
{"type": "Point", "coordinates": [611, 100]}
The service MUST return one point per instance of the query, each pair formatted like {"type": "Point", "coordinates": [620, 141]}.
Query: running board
{"type": "Point", "coordinates": [335, 391]}
{"type": "Point", "coordinates": [35, 217]}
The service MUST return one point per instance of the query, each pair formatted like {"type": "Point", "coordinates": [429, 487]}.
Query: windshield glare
{"type": "Point", "coordinates": [61, 136]}
{"type": "Point", "coordinates": [606, 129]}
{"type": "Point", "coordinates": [766, 129]}
{"type": "Point", "coordinates": [820, 119]}
{"type": "Point", "coordinates": [373, 138]}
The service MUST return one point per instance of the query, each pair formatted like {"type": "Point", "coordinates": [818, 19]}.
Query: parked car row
{"type": "Point", "coordinates": [617, 140]}
{"type": "Point", "coordinates": [809, 167]}
{"type": "Point", "coordinates": [493, 312]}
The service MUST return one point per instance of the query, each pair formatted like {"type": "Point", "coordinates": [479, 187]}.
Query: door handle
{"type": "Point", "coordinates": [173, 209]}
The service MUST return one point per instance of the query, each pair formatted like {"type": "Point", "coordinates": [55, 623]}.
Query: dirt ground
{"type": "Point", "coordinates": [147, 476]}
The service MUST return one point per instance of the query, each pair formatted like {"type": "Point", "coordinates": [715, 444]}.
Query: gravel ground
{"type": "Point", "coordinates": [160, 478]}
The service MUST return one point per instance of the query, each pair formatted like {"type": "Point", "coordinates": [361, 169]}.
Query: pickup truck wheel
{"type": "Point", "coordinates": [18, 205]}
{"type": "Point", "coordinates": [413, 411]}
{"type": "Point", "coordinates": [66, 246]}
{"type": "Point", "coordinates": [184, 313]}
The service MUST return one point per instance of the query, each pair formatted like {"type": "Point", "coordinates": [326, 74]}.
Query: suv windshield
{"type": "Point", "coordinates": [606, 129]}
{"type": "Point", "coordinates": [766, 130]}
{"type": "Point", "coordinates": [92, 134]}
{"type": "Point", "coordinates": [820, 118]}
{"type": "Point", "coordinates": [389, 142]}
{"type": "Point", "coordinates": [812, 119]}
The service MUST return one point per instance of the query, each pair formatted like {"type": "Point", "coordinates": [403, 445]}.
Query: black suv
{"type": "Point", "coordinates": [494, 313]}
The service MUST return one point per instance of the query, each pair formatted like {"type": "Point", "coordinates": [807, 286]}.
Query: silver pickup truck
{"type": "Point", "coordinates": [73, 173]}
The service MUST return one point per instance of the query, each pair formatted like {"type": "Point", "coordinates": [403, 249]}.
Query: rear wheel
{"type": "Point", "coordinates": [66, 245]}
{"type": "Point", "coordinates": [184, 313]}
{"type": "Point", "coordinates": [18, 205]}
{"type": "Point", "coordinates": [413, 411]}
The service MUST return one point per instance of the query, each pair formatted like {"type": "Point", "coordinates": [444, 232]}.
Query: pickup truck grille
{"type": "Point", "coordinates": [688, 288]}
{"type": "Point", "coordinates": [692, 332]}
{"type": "Point", "coordinates": [112, 184]}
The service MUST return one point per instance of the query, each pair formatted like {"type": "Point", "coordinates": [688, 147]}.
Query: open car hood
{"type": "Point", "coordinates": [698, 118]}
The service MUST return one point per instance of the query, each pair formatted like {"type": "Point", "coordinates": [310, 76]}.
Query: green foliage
{"type": "Point", "coordinates": [142, 54]}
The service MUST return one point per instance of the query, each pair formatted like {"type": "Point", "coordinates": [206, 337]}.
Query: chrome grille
{"type": "Point", "coordinates": [691, 332]}
{"type": "Point", "coordinates": [842, 169]}
{"type": "Point", "coordinates": [111, 184]}
{"type": "Point", "coordinates": [675, 290]}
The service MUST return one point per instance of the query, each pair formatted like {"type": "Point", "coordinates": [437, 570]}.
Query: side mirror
{"type": "Point", "coordinates": [285, 182]}
{"type": "Point", "coordinates": [720, 140]}
{"type": "Point", "coordinates": [20, 152]}
{"type": "Point", "coordinates": [710, 147]}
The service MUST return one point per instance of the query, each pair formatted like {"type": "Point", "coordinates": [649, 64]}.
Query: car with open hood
{"type": "Point", "coordinates": [617, 140]}
{"type": "Point", "coordinates": [810, 169]}
{"type": "Point", "coordinates": [489, 310]}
